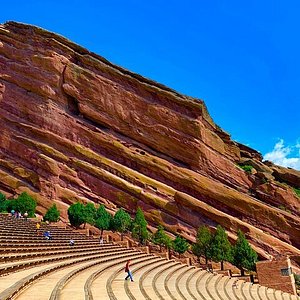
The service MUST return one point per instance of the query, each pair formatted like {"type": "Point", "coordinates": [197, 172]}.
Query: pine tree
{"type": "Point", "coordinates": [202, 247]}
{"type": "Point", "coordinates": [52, 214]}
{"type": "Point", "coordinates": [244, 257]}
{"type": "Point", "coordinates": [76, 214]}
{"type": "Point", "coordinates": [221, 249]}
{"type": "Point", "coordinates": [103, 221]}
{"type": "Point", "coordinates": [180, 245]}
{"type": "Point", "coordinates": [121, 221]}
{"type": "Point", "coordinates": [160, 238]}
{"type": "Point", "coordinates": [139, 227]}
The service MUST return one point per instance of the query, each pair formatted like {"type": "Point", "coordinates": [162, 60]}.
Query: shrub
{"type": "Point", "coordinates": [246, 168]}
{"type": "Point", "coordinates": [297, 191]}
{"type": "Point", "coordinates": [25, 203]}
{"type": "Point", "coordinates": [52, 214]}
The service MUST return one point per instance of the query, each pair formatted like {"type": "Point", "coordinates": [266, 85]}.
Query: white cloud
{"type": "Point", "coordinates": [286, 156]}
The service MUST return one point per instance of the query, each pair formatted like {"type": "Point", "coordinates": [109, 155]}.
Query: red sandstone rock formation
{"type": "Point", "coordinates": [76, 127]}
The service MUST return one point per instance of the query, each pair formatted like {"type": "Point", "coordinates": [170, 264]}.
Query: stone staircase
{"type": "Point", "coordinates": [36, 269]}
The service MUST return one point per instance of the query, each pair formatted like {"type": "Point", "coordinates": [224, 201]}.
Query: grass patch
{"type": "Point", "coordinates": [297, 191]}
{"type": "Point", "coordinates": [246, 168]}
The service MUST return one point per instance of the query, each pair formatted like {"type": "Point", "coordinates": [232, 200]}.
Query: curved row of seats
{"type": "Point", "coordinates": [34, 268]}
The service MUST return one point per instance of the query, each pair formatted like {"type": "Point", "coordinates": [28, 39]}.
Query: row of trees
{"type": "Point", "coordinates": [81, 214]}
{"type": "Point", "coordinates": [212, 246]}
{"type": "Point", "coordinates": [24, 203]}
{"type": "Point", "coordinates": [217, 247]}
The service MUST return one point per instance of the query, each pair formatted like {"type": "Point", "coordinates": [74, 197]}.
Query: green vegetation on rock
{"type": "Point", "coordinates": [297, 191]}
{"type": "Point", "coordinates": [246, 168]}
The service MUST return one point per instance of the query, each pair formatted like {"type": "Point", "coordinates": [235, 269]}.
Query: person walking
{"type": "Point", "coordinates": [25, 215]}
{"type": "Point", "coordinates": [129, 274]}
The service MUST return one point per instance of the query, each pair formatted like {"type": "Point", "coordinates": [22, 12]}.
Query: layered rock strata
{"type": "Point", "coordinates": [75, 127]}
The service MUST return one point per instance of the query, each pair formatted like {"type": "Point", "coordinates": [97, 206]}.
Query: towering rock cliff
{"type": "Point", "coordinates": [76, 127]}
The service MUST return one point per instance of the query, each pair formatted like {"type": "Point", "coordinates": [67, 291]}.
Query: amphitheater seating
{"type": "Point", "coordinates": [34, 268]}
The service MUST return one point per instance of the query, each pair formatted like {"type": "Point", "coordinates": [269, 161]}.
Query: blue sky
{"type": "Point", "coordinates": [242, 58]}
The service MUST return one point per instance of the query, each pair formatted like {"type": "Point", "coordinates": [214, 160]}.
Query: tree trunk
{"type": "Point", "coordinates": [242, 272]}
{"type": "Point", "coordinates": [206, 260]}
{"type": "Point", "coordinates": [222, 265]}
{"type": "Point", "coordinates": [122, 235]}
{"type": "Point", "coordinates": [101, 233]}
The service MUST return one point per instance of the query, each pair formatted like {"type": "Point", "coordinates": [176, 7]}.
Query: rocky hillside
{"type": "Point", "coordinates": [76, 127]}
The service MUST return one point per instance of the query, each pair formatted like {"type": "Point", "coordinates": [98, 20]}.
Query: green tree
{"type": "Point", "coordinates": [121, 221]}
{"type": "Point", "coordinates": [2, 202]}
{"type": "Point", "coordinates": [244, 257]}
{"type": "Point", "coordinates": [160, 238]}
{"type": "Point", "coordinates": [202, 247]}
{"type": "Point", "coordinates": [25, 203]}
{"type": "Point", "coordinates": [90, 213]}
{"type": "Point", "coordinates": [180, 245]}
{"type": "Point", "coordinates": [221, 249]}
{"type": "Point", "coordinates": [103, 220]}
{"type": "Point", "coordinates": [139, 227]}
{"type": "Point", "coordinates": [52, 214]}
{"type": "Point", "coordinates": [76, 214]}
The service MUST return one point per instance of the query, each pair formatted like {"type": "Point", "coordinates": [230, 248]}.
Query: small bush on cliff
{"type": "Point", "coordinates": [221, 249]}
{"type": "Point", "coordinates": [297, 191]}
{"type": "Point", "coordinates": [76, 214]}
{"type": "Point", "coordinates": [202, 247]}
{"type": "Point", "coordinates": [180, 245]}
{"type": "Point", "coordinates": [25, 203]}
{"type": "Point", "coordinates": [139, 227]}
{"type": "Point", "coordinates": [103, 219]}
{"type": "Point", "coordinates": [246, 168]}
{"type": "Point", "coordinates": [244, 257]}
{"type": "Point", "coordinates": [52, 214]}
